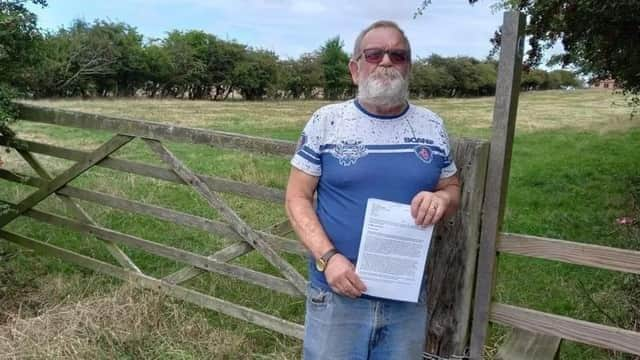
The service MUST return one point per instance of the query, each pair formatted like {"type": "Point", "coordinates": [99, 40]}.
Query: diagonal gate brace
{"type": "Point", "coordinates": [238, 225]}
{"type": "Point", "coordinates": [225, 255]}
{"type": "Point", "coordinates": [79, 212]}
{"type": "Point", "coordinates": [61, 180]}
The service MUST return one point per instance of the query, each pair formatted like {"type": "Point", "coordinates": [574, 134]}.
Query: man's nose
{"type": "Point", "coordinates": [386, 60]}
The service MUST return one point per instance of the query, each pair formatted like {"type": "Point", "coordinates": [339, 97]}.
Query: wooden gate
{"type": "Point", "coordinates": [451, 267]}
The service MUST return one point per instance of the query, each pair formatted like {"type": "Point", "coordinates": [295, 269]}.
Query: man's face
{"type": "Point", "coordinates": [383, 82]}
{"type": "Point", "coordinates": [382, 38]}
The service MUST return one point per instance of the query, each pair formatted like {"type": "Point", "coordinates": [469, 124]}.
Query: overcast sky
{"type": "Point", "coordinates": [290, 28]}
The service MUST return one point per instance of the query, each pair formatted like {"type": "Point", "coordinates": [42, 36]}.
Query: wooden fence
{"type": "Point", "coordinates": [536, 335]}
{"type": "Point", "coordinates": [455, 245]}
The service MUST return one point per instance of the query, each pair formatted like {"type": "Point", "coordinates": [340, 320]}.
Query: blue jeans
{"type": "Point", "coordinates": [338, 327]}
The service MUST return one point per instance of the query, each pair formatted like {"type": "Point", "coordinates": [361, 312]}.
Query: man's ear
{"type": "Point", "coordinates": [353, 69]}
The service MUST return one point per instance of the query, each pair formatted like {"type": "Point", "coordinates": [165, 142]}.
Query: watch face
{"type": "Point", "coordinates": [320, 264]}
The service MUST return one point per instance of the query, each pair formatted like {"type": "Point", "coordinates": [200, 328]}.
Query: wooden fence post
{"type": "Point", "coordinates": [451, 264]}
{"type": "Point", "coordinates": [504, 119]}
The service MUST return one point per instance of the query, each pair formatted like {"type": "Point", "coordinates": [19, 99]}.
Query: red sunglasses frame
{"type": "Point", "coordinates": [376, 55]}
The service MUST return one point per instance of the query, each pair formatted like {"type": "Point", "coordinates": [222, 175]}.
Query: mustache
{"type": "Point", "coordinates": [387, 73]}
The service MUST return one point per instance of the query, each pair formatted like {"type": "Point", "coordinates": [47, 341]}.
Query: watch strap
{"type": "Point", "coordinates": [321, 263]}
{"type": "Point", "coordinates": [326, 256]}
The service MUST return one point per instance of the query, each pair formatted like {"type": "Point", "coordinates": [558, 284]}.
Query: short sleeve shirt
{"type": "Point", "coordinates": [358, 155]}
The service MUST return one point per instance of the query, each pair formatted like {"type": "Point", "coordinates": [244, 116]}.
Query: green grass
{"type": "Point", "coordinates": [571, 185]}
{"type": "Point", "coordinates": [575, 169]}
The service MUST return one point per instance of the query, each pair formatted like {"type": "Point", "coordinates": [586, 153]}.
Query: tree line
{"type": "Point", "coordinates": [106, 58]}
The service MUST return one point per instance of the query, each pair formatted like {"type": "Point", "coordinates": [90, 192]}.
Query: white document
{"type": "Point", "coordinates": [393, 251]}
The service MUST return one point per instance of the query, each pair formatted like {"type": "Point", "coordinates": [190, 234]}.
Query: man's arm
{"type": "Point", "coordinates": [339, 272]}
{"type": "Point", "coordinates": [430, 207]}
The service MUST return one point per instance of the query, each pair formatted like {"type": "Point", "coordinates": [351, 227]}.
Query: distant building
{"type": "Point", "coordinates": [604, 84]}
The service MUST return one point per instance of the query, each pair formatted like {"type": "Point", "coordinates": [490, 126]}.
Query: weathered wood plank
{"type": "Point", "coordinates": [216, 183]}
{"type": "Point", "coordinates": [145, 281]}
{"type": "Point", "coordinates": [244, 230]}
{"type": "Point", "coordinates": [176, 217]}
{"type": "Point", "coordinates": [215, 227]}
{"type": "Point", "coordinates": [61, 180]}
{"type": "Point", "coordinates": [286, 148]}
{"type": "Point", "coordinates": [153, 130]}
{"type": "Point", "coordinates": [212, 226]}
{"type": "Point", "coordinates": [225, 255]}
{"type": "Point", "coordinates": [451, 263]}
{"type": "Point", "coordinates": [567, 328]}
{"type": "Point", "coordinates": [504, 119]}
{"type": "Point", "coordinates": [524, 345]}
{"type": "Point", "coordinates": [19, 178]}
{"type": "Point", "coordinates": [597, 256]}
{"type": "Point", "coordinates": [78, 212]}
{"type": "Point", "coordinates": [169, 252]}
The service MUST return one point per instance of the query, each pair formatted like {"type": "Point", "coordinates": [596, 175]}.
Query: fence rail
{"type": "Point", "coordinates": [571, 252]}
{"type": "Point", "coordinates": [537, 322]}
{"type": "Point", "coordinates": [151, 130]}
{"type": "Point", "coordinates": [218, 184]}
{"type": "Point", "coordinates": [603, 336]}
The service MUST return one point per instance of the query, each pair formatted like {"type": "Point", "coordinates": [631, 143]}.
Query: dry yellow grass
{"type": "Point", "coordinates": [197, 113]}
{"type": "Point", "coordinates": [584, 110]}
{"type": "Point", "coordinates": [590, 110]}
{"type": "Point", "coordinates": [126, 323]}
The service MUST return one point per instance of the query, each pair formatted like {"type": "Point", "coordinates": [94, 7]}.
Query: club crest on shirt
{"type": "Point", "coordinates": [423, 153]}
{"type": "Point", "coordinates": [348, 152]}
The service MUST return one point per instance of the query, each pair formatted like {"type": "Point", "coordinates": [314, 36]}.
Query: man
{"type": "Point", "coordinates": [376, 146]}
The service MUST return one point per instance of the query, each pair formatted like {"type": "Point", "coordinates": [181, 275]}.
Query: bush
{"type": "Point", "coordinates": [7, 112]}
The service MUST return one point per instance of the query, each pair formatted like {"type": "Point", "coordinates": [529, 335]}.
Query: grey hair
{"type": "Point", "coordinates": [357, 47]}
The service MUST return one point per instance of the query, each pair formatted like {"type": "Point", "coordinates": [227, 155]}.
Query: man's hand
{"type": "Point", "coordinates": [428, 207]}
{"type": "Point", "coordinates": [341, 276]}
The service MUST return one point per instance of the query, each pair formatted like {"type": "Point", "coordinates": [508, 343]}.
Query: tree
{"type": "Point", "coordinates": [302, 77]}
{"type": "Point", "coordinates": [255, 74]}
{"type": "Point", "coordinates": [187, 52]}
{"type": "Point", "coordinates": [129, 60]}
{"type": "Point", "coordinates": [157, 68]}
{"type": "Point", "coordinates": [290, 79]}
{"type": "Point", "coordinates": [84, 60]}
{"type": "Point", "coordinates": [452, 76]}
{"type": "Point", "coordinates": [534, 79]}
{"type": "Point", "coordinates": [222, 59]}
{"type": "Point", "coordinates": [335, 65]}
{"type": "Point", "coordinates": [487, 77]}
{"type": "Point", "coordinates": [18, 34]}
{"type": "Point", "coordinates": [600, 37]}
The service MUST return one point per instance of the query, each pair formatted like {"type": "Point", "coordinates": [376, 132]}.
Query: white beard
{"type": "Point", "coordinates": [385, 87]}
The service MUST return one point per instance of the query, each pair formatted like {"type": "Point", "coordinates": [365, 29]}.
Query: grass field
{"type": "Point", "coordinates": [575, 170]}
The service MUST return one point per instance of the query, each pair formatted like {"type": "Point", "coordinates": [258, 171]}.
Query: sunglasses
{"type": "Point", "coordinates": [375, 55]}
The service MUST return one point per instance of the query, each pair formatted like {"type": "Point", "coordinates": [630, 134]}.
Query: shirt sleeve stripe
{"type": "Point", "coordinates": [310, 151]}
{"type": "Point", "coordinates": [309, 158]}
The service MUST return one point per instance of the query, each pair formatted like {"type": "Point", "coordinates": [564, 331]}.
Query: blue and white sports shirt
{"type": "Point", "coordinates": [358, 155]}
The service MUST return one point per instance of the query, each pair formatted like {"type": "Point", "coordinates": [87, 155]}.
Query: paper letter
{"type": "Point", "coordinates": [393, 251]}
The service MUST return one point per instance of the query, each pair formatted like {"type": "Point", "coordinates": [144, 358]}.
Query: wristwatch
{"type": "Point", "coordinates": [322, 261]}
